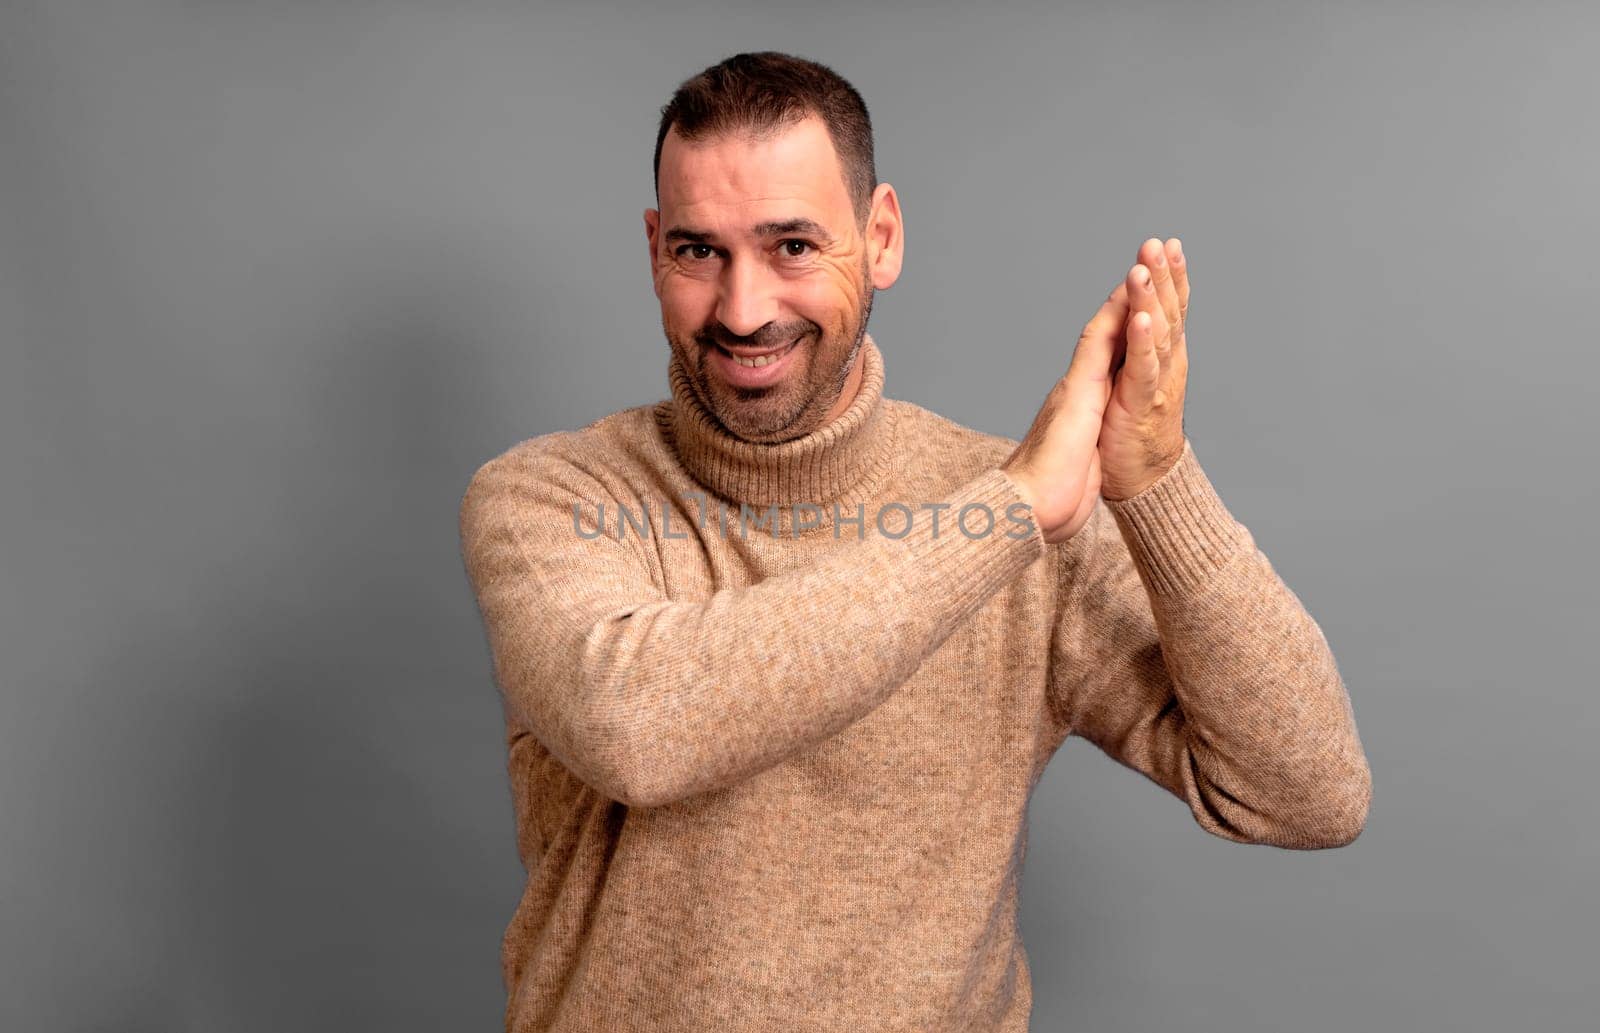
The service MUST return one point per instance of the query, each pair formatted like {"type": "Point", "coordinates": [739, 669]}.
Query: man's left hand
{"type": "Point", "coordinates": [1141, 434]}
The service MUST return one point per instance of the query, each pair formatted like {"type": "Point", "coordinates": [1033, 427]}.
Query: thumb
{"type": "Point", "coordinates": [1088, 377]}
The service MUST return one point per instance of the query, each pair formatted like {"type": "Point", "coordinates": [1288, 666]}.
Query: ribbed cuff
{"type": "Point", "coordinates": [1177, 529]}
{"type": "Point", "coordinates": [969, 566]}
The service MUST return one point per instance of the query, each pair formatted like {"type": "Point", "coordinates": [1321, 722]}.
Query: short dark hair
{"type": "Point", "coordinates": [766, 91]}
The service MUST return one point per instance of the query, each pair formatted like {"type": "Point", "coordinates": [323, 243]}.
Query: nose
{"type": "Point", "coordinates": [746, 301]}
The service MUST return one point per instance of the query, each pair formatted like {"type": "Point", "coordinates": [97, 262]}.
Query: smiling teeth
{"type": "Point", "coordinates": [760, 360]}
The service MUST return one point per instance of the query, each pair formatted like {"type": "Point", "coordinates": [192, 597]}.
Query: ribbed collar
{"type": "Point", "coordinates": [842, 462]}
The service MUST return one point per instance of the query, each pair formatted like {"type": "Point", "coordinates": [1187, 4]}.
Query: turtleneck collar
{"type": "Point", "coordinates": [843, 462]}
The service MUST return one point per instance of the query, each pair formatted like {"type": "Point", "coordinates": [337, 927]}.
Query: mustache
{"type": "Point", "coordinates": [772, 335]}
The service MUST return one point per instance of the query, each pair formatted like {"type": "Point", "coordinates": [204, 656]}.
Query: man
{"type": "Point", "coordinates": [771, 753]}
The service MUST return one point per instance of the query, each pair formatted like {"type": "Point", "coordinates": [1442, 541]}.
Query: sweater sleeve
{"type": "Point", "coordinates": [650, 700]}
{"type": "Point", "coordinates": [1180, 653]}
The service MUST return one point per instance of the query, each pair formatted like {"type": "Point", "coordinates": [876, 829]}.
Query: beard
{"type": "Point", "coordinates": [797, 404]}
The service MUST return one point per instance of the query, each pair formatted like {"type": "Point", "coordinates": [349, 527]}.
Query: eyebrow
{"type": "Point", "coordinates": [778, 228]}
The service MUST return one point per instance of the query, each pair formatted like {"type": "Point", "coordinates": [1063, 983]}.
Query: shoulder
{"type": "Point", "coordinates": [585, 463]}
{"type": "Point", "coordinates": [946, 452]}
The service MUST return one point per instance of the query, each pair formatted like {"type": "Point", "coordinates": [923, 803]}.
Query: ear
{"type": "Point", "coordinates": [652, 230]}
{"type": "Point", "coordinates": [886, 237]}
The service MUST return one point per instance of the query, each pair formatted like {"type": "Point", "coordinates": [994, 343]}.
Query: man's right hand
{"type": "Point", "coordinates": [1057, 463]}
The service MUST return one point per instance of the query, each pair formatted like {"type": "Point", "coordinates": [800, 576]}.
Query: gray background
{"type": "Point", "coordinates": [276, 277]}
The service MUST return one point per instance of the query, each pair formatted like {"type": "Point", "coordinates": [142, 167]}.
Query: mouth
{"type": "Point", "coordinates": [751, 368]}
{"type": "Point", "coordinates": [751, 358]}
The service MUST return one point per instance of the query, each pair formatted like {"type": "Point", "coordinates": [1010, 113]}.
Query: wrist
{"type": "Point", "coordinates": [1024, 488]}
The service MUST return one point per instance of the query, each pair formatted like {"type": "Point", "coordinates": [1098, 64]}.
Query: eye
{"type": "Point", "coordinates": [694, 251]}
{"type": "Point", "coordinates": [805, 247]}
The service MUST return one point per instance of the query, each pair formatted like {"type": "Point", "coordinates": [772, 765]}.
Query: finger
{"type": "Point", "coordinates": [1145, 300]}
{"type": "Point", "coordinates": [1180, 282]}
{"type": "Point", "coordinates": [1087, 382]}
{"type": "Point", "coordinates": [1142, 294]}
{"type": "Point", "coordinates": [1141, 374]}
{"type": "Point", "coordinates": [1154, 255]}
{"type": "Point", "coordinates": [1180, 278]}
{"type": "Point", "coordinates": [1098, 342]}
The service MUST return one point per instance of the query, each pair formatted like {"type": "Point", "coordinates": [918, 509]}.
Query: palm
{"type": "Point", "coordinates": [1142, 434]}
{"type": "Point", "coordinates": [1106, 431]}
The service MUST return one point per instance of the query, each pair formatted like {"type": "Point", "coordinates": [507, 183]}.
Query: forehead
{"type": "Point", "coordinates": [741, 176]}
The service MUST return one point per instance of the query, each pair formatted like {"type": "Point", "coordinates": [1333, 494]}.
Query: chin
{"type": "Point", "coordinates": [759, 420]}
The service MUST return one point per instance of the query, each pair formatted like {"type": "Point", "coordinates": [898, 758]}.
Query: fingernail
{"type": "Point", "coordinates": [1179, 259]}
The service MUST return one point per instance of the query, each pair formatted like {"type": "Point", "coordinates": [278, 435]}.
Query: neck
{"type": "Point", "coordinates": [841, 461]}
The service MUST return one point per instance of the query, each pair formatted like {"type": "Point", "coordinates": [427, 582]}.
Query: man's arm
{"type": "Point", "coordinates": [1181, 653]}
{"type": "Point", "coordinates": [651, 700]}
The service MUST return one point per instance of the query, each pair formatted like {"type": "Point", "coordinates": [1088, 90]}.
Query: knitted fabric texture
{"type": "Point", "coordinates": [776, 775]}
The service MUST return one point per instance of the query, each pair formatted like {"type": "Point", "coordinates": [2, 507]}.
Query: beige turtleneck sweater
{"type": "Point", "coordinates": [780, 781]}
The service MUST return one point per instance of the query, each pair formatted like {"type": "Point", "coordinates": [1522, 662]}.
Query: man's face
{"type": "Point", "coordinates": [756, 249]}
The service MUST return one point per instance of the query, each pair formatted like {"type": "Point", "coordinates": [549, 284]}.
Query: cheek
{"type": "Point", "coordinates": [831, 300]}
{"type": "Point", "coordinates": [686, 300]}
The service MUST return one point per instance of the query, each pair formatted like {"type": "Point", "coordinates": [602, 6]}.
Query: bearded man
{"type": "Point", "coordinates": [778, 778]}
